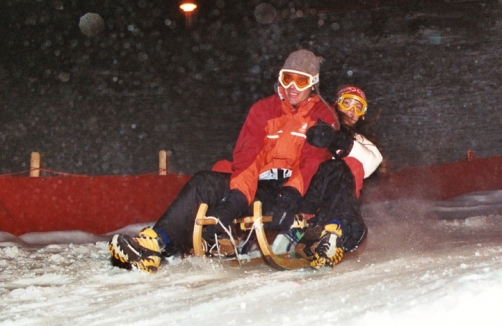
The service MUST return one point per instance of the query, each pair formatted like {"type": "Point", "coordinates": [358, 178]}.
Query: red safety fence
{"type": "Point", "coordinates": [96, 204]}
{"type": "Point", "coordinates": [436, 182]}
{"type": "Point", "coordinates": [102, 204]}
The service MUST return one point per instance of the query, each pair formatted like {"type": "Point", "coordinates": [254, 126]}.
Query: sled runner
{"type": "Point", "coordinates": [250, 224]}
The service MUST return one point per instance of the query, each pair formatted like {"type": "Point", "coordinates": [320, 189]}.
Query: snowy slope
{"type": "Point", "coordinates": [413, 269]}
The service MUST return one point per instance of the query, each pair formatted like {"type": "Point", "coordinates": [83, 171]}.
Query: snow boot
{"type": "Point", "coordinates": [328, 251]}
{"type": "Point", "coordinates": [307, 244]}
{"type": "Point", "coordinates": [142, 252]}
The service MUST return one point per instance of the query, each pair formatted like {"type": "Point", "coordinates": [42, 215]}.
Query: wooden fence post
{"type": "Point", "coordinates": [470, 155]}
{"type": "Point", "coordinates": [35, 164]}
{"type": "Point", "coordinates": [163, 162]}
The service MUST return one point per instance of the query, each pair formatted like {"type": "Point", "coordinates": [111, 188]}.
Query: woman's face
{"type": "Point", "coordinates": [349, 106]}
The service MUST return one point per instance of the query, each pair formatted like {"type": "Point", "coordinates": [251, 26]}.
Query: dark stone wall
{"type": "Point", "coordinates": [106, 104]}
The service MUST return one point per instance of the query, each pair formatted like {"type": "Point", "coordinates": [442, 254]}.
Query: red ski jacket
{"type": "Point", "coordinates": [274, 136]}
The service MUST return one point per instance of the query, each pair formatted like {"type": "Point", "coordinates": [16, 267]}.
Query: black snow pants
{"type": "Point", "coordinates": [211, 188]}
{"type": "Point", "coordinates": [332, 196]}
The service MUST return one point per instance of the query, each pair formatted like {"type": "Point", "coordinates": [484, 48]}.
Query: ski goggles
{"type": "Point", "coordinates": [301, 80]}
{"type": "Point", "coordinates": [345, 103]}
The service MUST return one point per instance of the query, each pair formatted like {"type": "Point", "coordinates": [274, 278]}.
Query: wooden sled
{"type": "Point", "coordinates": [250, 223]}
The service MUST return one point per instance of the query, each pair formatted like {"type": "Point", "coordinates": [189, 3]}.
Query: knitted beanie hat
{"type": "Point", "coordinates": [304, 61]}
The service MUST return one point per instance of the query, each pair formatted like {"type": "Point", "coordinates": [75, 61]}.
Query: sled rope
{"type": "Point", "coordinates": [230, 236]}
{"type": "Point", "coordinates": [256, 224]}
{"type": "Point", "coordinates": [250, 233]}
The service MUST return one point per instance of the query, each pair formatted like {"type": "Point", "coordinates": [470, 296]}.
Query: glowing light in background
{"type": "Point", "coordinates": [188, 8]}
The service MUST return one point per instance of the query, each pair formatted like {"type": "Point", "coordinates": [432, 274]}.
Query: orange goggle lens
{"type": "Point", "coordinates": [301, 80]}
{"type": "Point", "coordinates": [345, 104]}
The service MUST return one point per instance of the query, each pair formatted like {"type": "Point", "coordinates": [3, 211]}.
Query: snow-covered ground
{"type": "Point", "coordinates": [423, 263]}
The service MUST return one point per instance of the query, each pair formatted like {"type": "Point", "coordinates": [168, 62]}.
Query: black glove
{"type": "Point", "coordinates": [341, 144]}
{"type": "Point", "coordinates": [284, 209]}
{"type": "Point", "coordinates": [233, 206]}
{"type": "Point", "coordinates": [320, 135]}
{"type": "Point", "coordinates": [323, 135]}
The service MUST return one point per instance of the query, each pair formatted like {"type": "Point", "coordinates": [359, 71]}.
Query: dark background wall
{"type": "Point", "coordinates": [108, 102]}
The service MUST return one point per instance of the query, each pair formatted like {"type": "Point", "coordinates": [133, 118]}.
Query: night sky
{"type": "Point", "coordinates": [99, 87]}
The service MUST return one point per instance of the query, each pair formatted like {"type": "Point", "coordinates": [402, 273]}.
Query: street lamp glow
{"type": "Point", "coordinates": [188, 7]}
